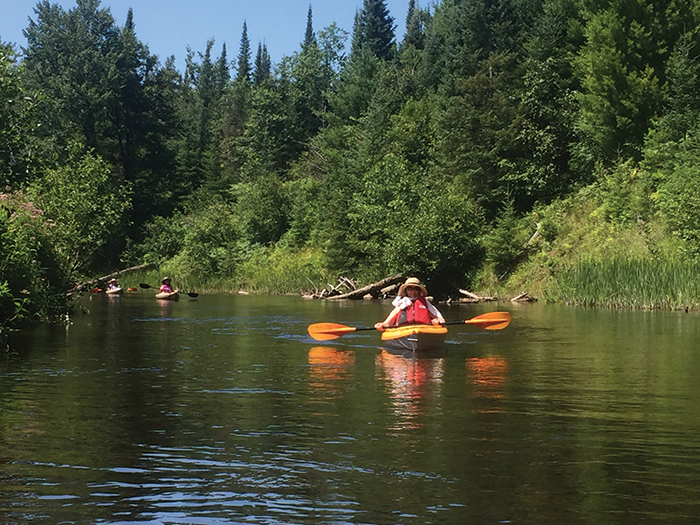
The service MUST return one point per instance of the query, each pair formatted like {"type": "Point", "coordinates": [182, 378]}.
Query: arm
{"type": "Point", "coordinates": [435, 314]}
{"type": "Point", "coordinates": [389, 319]}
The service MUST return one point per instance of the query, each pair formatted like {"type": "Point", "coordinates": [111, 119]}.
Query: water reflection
{"type": "Point", "coordinates": [488, 377]}
{"type": "Point", "coordinates": [410, 383]}
{"type": "Point", "coordinates": [328, 366]}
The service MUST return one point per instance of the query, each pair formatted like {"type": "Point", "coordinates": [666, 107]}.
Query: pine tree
{"type": "Point", "coordinates": [415, 26]}
{"type": "Point", "coordinates": [622, 69]}
{"type": "Point", "coordinates": [243, 75]}
{"type": "Point", "coordinates": [263, 65]}
{"type": "Point", "coordinates": [222, 73]}
{"type": "Point", "coordinates": [374, 30]}
{"type": "Point", "coordinates": [309, 37]}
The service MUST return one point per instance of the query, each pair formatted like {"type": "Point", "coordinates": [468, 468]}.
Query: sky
{"type": "Point", "coordinates": [169, 26]}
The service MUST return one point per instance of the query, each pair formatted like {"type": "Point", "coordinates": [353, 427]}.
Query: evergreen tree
{"type": "Point", "coordinates": [243, 69]}
{"type": "Point", "coordinates": [99, 84]}
{"type": "Point", "coordinates": [374, 30]}
{"type": "Point", "coordinates": [415, 26]}
{"type": "Point", "coordinates": [223, 74]}
{"type": "Point", "coordinates": [263, 65]}
{"type": "Point", "coordinates": [309, 37]}
{"type": "Point", "coordinates": [622, 69]}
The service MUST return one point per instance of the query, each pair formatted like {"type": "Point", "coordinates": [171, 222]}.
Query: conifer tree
{"type": "Point", "coordinates": [309, 37]}
{"type": "Point", "coordinates": [222, 74]}
{"type": "Point", "coordinates": [263, 65]}
{"type": "Point", "coordinates": [243, 75]}
{"type": "Point", "coordinates": [415, 26]}
{"type": "Point", "coordinates": [374, 30]}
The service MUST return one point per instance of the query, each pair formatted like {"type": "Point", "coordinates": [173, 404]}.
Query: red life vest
{"type": "Point", "coordinates": [415, 313]}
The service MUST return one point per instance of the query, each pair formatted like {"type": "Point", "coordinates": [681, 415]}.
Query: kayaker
{"type": "Point", "coordinates": [411, 306]}
{"type": "Point", "coordinates": [166, 287]}
{"type": "Point", "coordinates": [113, 284]}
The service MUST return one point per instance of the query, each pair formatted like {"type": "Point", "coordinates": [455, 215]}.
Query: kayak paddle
{"type": "Point", "coordinates": [328, 331]}
{"type": "Point", "coordinates": [147, 286]}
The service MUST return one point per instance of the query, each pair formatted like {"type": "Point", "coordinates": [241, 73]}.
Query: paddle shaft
{"type": "Point", "coordinates": [147, 286]}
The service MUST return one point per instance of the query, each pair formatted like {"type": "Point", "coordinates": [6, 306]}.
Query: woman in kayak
{"type": "Point", "coordinates": [113, 284]}
{"type": "Point", "coordinates": [166, 287]}
{"type": "Point", "coordinates": [411, 307]}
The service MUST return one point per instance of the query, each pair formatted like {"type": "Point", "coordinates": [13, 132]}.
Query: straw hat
{"type": "Point", "coordinates": [412, 281]}
{"type": "Point", "coordinates": [166, 280]}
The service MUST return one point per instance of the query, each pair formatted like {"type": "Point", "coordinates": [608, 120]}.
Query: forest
{"type": "Point", "coordinates": [501, 146]}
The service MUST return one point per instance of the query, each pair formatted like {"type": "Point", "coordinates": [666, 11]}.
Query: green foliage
{"type": "Point", "coordinates": [162, 240]}
{"type": "Point", "coordinates": [374, 30]}
{"type": "Point", "coordinates": [17, 107]}
{"type": "Point", "coordinates": [495, 143]}
{"type": "Point", "coordinates": [622, 69]}
{"type": "Point", "coordinates": [33, 277]}
{"type": "Point", "coordinates": [261, 209]}
{"type": "Point", "coordinates": [679, 203]}
{"type": "Point", "coordinates": [506, 242]}
{"type": "Point", "coordinates": [283, 270]}
{"type": "Point", "coordinates": [211, 244]}
{"type": "Point", "coordinates": [85, 205]}
{"type": "Point", "coordinates": [439, 240]}
{"type": "Point", "coordinates": [624, 195]}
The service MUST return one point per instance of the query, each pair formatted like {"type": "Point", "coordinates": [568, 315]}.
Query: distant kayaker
{"type": "Point", "coordinates": [166, 287]}
{"type": "Point", "coordinates": [113, 284]}
{"type": "Point", "coordinates": [411, 306]}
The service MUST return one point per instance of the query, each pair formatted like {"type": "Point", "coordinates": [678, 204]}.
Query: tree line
{"type": "Point", "coordinates": [439, 154]}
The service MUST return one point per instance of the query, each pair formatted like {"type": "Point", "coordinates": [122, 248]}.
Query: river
{"type": "Point", "coordinates": [222, 410]}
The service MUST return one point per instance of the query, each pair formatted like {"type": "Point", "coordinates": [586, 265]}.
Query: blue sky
{"type": "Point", "coordinates": [169, 26]}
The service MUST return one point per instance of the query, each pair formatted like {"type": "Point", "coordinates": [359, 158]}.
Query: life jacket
{"type": "Point", "coordinates": [415, 313]}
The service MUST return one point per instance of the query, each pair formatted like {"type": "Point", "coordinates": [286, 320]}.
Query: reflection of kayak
{"type": "Point", "coordinates": [168, 296]}
{"type": "Point", "coordinates": [113, 291]}
{"type": "Point", "coordinates": [415, 337]}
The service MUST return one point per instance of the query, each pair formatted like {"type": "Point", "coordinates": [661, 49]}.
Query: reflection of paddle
{"type": "Point", "coordinates": [328, 331]}
{"type": "Point", "coordinates": [147, 286]}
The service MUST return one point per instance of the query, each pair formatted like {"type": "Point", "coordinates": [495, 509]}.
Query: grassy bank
{"type": "Point", "coordinates": [629, 283]}
{"type": "Point", "coordinates": [273, 271]}
{"type": "Point", "coordinates": [584, 254]}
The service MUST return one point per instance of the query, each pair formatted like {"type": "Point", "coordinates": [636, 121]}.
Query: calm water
{"type": "Point", "coordinates": [222, 410]}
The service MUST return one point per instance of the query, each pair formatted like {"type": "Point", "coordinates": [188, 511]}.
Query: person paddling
{"type": "Point", "coordinates": [113, 284]}
{"type": "Point", "coordinates": [166, 287]}
{"type": "Point", "coordinates": [411, 306]}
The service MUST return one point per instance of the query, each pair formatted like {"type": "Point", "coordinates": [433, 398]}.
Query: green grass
{"type": "Point", "coordinates": [269, 271]}
{"type": "Point", "coordinates": [627, 282]}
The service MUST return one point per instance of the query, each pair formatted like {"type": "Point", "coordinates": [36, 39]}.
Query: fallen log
{"type": "Point", "coordinates": [90, 284]}
{"type": "Point", "coordinates": [474, 298]}
{"type": "Point", "coordinates": [372, 289]}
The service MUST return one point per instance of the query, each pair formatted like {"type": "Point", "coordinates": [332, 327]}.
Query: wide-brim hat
{"type": "Point", "coordinates": [112, 280]}
{"type": "Point", "coordinates": [412, 281]}
{"type": "Point", "coordinates": [165, 279]}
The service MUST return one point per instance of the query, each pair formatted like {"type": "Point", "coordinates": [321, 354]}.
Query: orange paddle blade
{"type": "Point", "coordinates": [328, 331]}
{"type": "Point", "coordinates": [491, 320]}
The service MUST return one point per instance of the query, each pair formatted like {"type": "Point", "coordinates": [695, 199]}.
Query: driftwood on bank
{"type": "Point", "coordinates": [523, 297]}
{"type": "Point", "coordinates": [373, 289]}
{"type": "Point", "coordinates": [474, 298]}
{"type": "Point", "coordinates": [330, 289]}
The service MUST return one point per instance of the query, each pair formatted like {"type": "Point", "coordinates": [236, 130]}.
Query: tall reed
{"type": "Point", "coordinates": [627, 282]}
